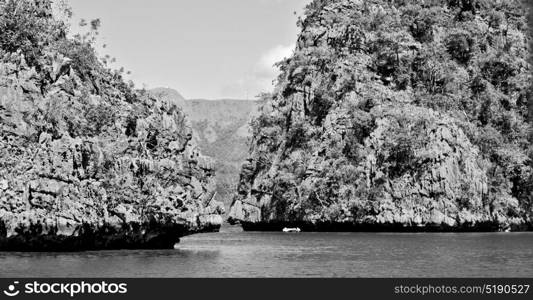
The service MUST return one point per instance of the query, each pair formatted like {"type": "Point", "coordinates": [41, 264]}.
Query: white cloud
{"type": "Point", "coordinates": [263, 73]}
{"type": "Point", "coordinates": [265, 67]}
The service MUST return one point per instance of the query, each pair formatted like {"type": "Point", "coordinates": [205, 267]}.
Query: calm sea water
{"type": "Point", "coordinates": [244, 254]}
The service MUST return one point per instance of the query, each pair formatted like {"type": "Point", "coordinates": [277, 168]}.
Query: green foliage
{"type": "Point", "coordinates": [460, 46]}
{"type": "Point", "coordinates": [98, 118]}
{"type": "Point", "coordinates": [422, 28]}
{"type": "Point", "coordinates": [498, 70]}
{"type": "Point", "coordinates": [85, 62]}
{"type": "Point", "coordinates": [28, 26]}
{"type": "Point", "coordinates": [32, 35]}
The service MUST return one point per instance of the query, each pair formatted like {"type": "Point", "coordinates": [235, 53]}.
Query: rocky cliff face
{"type": "Point", "coordinates": [85, 161]}
{"type": "Point", "coordinates": [396, 115]}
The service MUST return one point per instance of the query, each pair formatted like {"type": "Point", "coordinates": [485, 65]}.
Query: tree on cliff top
{"type": "Point", "coordinates": [32, 30]}
{"type": "Point", "coordinates": [28, 26]}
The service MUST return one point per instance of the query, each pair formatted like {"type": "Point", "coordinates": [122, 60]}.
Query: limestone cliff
{"type": "Point", "coordinates": [396, 115]}
{"type": "Point", "coordinates": [86, 162]}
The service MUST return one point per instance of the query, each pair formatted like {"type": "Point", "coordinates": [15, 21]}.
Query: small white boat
{"type": "Point", "coordinates": [291, 229]}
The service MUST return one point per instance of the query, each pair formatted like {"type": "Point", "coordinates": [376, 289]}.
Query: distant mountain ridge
{"type": "Point", "coordinates": [221, 130]}
{"type": "Point", "coordinates": [225, 112]}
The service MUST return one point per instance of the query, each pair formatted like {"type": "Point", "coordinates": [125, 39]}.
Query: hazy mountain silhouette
{"type": "Point", "coordinates": [221, 130]}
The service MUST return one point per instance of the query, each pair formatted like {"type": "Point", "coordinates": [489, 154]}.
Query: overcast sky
{"type": "Point", "coordinates": [202, 48]}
